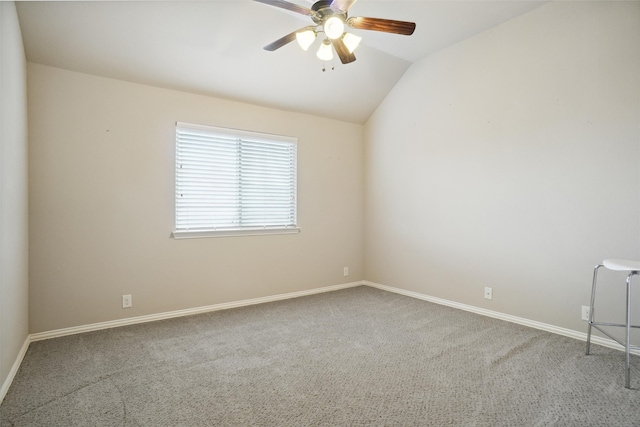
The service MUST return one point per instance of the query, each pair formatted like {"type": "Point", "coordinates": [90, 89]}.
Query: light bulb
{"type": "Point", "coordinates": [333, 27]}
{"type": "Point", "coordinates": [351, 41]}
{"type": "Point", "coordinates": [305, 38]}
{"type": "Point", "coordinates": [325, 52]}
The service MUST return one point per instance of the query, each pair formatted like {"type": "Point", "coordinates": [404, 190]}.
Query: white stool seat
{"type": "Point", "coordinates": [621, 265]}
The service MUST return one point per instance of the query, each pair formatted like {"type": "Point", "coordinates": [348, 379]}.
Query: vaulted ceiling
{"type": "Point", "coordinates": [215, 47]}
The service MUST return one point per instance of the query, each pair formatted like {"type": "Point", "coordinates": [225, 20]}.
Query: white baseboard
{"type": "Point", "coordinates": [186, 312]}
{"type": "Point", "coordinates": [14, 369]}
{"type": "Point", "coordinates": [582, 336]}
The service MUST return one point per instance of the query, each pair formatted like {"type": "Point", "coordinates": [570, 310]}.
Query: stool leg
{"type": "Point", "coordinates": [593, 299]}
{"type": "Point", "coordinates": [627, 345]}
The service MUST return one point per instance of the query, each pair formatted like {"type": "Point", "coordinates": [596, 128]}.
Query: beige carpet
{"type": "Point", "coordinates": [356, 357]}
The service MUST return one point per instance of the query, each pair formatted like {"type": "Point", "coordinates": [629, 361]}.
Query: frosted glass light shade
{"type": "Point", "coordinates": [351, 41]}
{"type": "Point", "coordinates": [325, 52]}
{"type": "Point", "coordinates": [333, 27]}
{"type": "Point", "coordinates": [305, 38]}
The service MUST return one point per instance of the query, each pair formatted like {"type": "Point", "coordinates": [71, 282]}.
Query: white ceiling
{"type": "Point", "coordinates": [215, 47]}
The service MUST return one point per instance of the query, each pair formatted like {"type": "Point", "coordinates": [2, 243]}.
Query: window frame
{"type": "Point", "coordinates": [229, 231]}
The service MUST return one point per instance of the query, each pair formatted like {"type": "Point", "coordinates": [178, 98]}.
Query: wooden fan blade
{"type": "Point", "coordinates": [385, 25]}
{"type": "Point", "coordinates": [342, 5]}
{"type": "Point", "coordinates": [346, 57]}
{"type": "Point", "coordinates": [288, 6]}
{"type": "Point", "coordinates": [281, 42]}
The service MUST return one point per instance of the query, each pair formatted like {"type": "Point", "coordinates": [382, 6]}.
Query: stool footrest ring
{"type": "Point", "coordinates": [613, 324]}
{"type": "Point", "coordinates": [631, 347]}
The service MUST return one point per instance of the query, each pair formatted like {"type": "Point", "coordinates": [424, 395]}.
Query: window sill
{"type": "Point", "coordinates": [201, 234]}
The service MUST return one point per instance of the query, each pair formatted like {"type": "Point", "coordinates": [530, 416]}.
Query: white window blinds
{"type": "Point", "coordinates": [229, 180]}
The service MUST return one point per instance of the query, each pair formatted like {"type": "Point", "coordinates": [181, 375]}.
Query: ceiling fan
{"type": "Point", "coordinates": [330, 17]}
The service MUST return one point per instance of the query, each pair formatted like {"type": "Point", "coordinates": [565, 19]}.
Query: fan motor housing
{"type": "Point", "coordinates": [323, 7]}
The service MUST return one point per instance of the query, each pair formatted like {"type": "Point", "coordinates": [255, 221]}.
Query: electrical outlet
{"type": "Point", "coordinates": [585, 312]}
{"type": "Point", "coordinates": [346, 271]}
{"type": "Point", "coordinates": [488, 293]}
{"type": "Point", "coordinates": [126, 301]}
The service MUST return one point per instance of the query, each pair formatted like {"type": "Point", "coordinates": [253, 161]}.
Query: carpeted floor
{"type": "Point", "coordinates": [355, 357]}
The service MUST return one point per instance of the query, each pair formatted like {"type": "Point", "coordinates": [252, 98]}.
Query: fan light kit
{"type": "Point", "coordinates": [333, 27]}
{"type": "Point", "coordinates": [351, 41]}
{"type": "Point", "coordinates": [306, 38]}
{"type": "Point", "coordinates": [331, 17]}
{"type": "Point", "coordinates": [325, 52]}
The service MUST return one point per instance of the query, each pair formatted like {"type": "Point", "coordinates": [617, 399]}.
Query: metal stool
{"type": "Point", "coordinates": [633, 268]}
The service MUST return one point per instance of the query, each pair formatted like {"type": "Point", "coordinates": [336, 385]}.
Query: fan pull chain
{"type": "Point", "coordinates": [333, 67]}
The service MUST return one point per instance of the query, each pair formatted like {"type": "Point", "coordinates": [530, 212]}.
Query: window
{"type": "Point", "coordinates": [232, 182]}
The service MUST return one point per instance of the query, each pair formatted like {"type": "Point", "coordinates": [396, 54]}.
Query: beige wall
{"type": "Point", "coordinates": [101, 193]}
{"type": "Point", "coordinates": [14, 326]}
{"type": "Point", "coordinates": [508, 160]}
{"type": "Point", "coordinates": [511, 160]}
